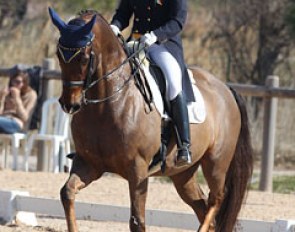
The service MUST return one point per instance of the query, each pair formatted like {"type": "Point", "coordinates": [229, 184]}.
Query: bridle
{"type": "Point", "coordinates": [90, 68]}
{"type": "Point", "coordinates": [88, 83]}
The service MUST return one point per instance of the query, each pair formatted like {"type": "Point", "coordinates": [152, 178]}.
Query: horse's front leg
{"type": "Point", "coordinates": [138, 184]}
{"type": "Point", "coordinates": [81, 175]}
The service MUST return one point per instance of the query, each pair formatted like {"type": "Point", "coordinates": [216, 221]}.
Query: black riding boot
{"type": "Point", "coordinates": [181, 121]}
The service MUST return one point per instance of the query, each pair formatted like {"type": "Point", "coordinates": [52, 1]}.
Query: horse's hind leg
{"type": "Point", "coordinates": [190, 192]}
{"type": "Point", "coordinates": [214, 170]}
{"type": "Point", "coordinates": [81, 175]}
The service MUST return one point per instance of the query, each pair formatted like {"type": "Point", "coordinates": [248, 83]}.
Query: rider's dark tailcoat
{"type": "Point", "coordinates": [165, 18]}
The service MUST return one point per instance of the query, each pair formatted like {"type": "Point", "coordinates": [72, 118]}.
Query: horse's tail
{"type": "Point", "coordinates": [238, 176]}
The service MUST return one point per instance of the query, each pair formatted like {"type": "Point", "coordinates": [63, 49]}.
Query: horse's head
{"type": "Point", "coordinates": [76, 59]}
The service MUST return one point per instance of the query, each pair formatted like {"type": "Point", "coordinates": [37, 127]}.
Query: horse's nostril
{"type": "Point", "coordinates": [76, 107]}
{"type": "Point", "coordinates": [71, 108]}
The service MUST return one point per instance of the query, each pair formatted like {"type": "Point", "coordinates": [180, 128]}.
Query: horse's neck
{"type": "Point", "coordinates": [115, 75]}
{"type": "Point", "coordinates": [111, 53]}
{"type": "Point", "coordinates": [112, 59]}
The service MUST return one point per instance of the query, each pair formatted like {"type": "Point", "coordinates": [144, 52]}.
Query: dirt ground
{"type": "Point", "coordinates": [114, 190]}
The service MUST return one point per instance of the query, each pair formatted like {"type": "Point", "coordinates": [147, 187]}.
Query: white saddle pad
{"type": "Point", "coordinates": [196, 110]}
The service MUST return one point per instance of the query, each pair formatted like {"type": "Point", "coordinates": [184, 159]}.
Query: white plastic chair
{"type": "Point", "coordinates": [54, 132]}
{"type": "Point", "coordinates": [12, 141]}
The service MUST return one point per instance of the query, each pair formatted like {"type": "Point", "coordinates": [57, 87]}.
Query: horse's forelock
{"type": "Point", "coordinates": [89, 13]}
{"type": "Point", "coordinates": [77, 22]}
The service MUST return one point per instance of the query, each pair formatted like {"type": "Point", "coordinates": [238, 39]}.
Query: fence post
{"type": "Point", "coordinates": [42, 157]}
{"type": "Point", "coordinates": [269, 127]}
{"type": "Point", "coordinates": [9, 212]}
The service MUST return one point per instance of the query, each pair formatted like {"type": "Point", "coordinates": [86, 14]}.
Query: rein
{"type": "Point", "coordinates": [127, 60]}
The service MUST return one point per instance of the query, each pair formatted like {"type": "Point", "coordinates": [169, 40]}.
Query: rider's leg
{"type": "Point", "coordinates": [180, 117]}
{"type": "Point", "coordinates": [179, 114]}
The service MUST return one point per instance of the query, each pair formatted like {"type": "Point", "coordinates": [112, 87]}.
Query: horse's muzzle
{"type": "Point", "coordinates": [70, 108]}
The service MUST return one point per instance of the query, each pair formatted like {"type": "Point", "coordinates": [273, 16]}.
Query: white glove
{"type": "Point", "coordinates": [116, 30]}
{"type": "Point", "coordinates": [148, 39]}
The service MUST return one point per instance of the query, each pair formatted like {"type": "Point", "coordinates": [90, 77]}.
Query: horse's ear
{"type": "Point", "coordinates": [56, 20]}
{"type": "Point", "coordinates": [86, 29]}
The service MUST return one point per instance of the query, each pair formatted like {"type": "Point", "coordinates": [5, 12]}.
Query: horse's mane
{"type": "Point", "coordinates": [90, 12]}
{"type": "Point", "coordinates": [86, 12]}
{"type": "Point", "coordinates": [78, 20]}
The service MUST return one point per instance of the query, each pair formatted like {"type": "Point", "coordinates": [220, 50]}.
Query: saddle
{"type": "Point", "coordinates": [152, 84]}
{"type": "Point", "coordinates": [146, 66]}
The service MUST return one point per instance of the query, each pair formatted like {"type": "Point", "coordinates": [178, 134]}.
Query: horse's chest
{"type": "Point", "coordinates": [100, 139]}
{"type": "Point", "coordinates": [116, 141]}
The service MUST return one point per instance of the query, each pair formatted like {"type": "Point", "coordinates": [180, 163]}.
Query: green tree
{"type": "Point", "coordinates": [254, 37]}
{"type": "Point", "coordinates": [290, 17]}
{"type": "Point", "coordinates": [12, 12]}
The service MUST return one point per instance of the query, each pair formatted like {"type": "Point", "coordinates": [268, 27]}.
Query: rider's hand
{"type": "Point", "coordinates": [116, 30]}
{"type": "Point", "coordinates": [148, 39]}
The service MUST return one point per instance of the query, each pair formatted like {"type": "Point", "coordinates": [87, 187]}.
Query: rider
{"type": "Point", "coordinates": [158, 23]}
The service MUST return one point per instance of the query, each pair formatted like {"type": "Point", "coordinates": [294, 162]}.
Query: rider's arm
{"type": "Point", "coordinates": [122, 15]}
{"type": "Point", "coordinates": [178, 14]}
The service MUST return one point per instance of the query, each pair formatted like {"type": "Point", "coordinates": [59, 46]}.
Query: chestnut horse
{"type": "Point", "coordinates": [114, 132]}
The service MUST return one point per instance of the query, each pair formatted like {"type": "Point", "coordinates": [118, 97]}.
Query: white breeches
{"type": "Point", "coordinates": [170, 67]}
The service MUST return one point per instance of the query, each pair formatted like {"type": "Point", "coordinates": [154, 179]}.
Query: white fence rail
{"type": "Point", "coordinates": [19, 204]}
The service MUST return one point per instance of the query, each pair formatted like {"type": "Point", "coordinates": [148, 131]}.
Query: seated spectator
{"type": "Point", "coordinates": [17, 102]}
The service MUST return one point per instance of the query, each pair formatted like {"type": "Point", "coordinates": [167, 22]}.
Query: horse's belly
{"type": "Point", "coordinates": [111, 153]}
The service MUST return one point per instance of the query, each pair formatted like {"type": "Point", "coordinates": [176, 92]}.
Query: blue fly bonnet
{"type": "Point", "coordinates": [73, 35]}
